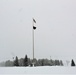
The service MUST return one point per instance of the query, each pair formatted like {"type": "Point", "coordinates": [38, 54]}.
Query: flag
{"type": "Point", "coordinates": [34, 20]}
{"type": "Point", "coordinates": [34, 27]}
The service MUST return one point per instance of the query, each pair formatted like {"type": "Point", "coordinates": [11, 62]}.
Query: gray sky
{"type": "Point", "coordinates": [55, 35]}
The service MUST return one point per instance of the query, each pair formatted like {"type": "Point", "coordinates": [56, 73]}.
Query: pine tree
{"type": "Point", "coordinates": [26, 61]}
{"type": "Point", "coordinates": [72, 63]}
{"type": "Point", "coordinates": [16, 62]}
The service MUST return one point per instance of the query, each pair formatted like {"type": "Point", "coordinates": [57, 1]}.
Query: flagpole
{"type": "Point", "coordinates": [33, 39]}
{"type": "Point", "coordinates": [33, 43]}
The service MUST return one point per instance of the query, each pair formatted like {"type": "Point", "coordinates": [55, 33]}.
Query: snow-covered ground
{"type": "Point", "coordinates": [38, 70]}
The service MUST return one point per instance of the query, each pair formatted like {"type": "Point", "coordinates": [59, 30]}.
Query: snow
{"type": "Point", "coordinates": [38, 70]}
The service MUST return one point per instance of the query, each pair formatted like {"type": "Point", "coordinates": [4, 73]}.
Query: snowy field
{"type": "Point", "coordinates": [38, 70]}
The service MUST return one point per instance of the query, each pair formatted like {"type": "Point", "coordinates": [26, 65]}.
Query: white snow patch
{"type": "Point", "coordinates": [38, 70]}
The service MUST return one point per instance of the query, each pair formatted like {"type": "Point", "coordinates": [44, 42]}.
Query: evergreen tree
{"type": "Point", "coordinates": [61, 63]}
{"type": "Point", "coordinates": [26, 61]}
{"type": "Point", "coordinates": [8, 63]}
{"type": "Point", "coordinates": [42, 62]}
{"type": "Point", "coordinates": [72, 63]}
{"type": "Point", "coordinates": [57, 62]}
{"type": "Point", "coordinates": [16, 62]}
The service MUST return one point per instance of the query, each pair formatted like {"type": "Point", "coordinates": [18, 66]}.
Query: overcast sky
{"type": "Point", "coordinates": [55, 35]}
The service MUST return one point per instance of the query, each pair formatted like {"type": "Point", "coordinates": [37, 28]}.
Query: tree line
{"type": "Point", "coordinates": [29, 62]}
